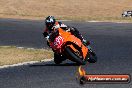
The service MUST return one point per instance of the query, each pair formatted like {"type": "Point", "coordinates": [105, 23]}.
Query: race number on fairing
{"type": "Point", "coordinates": [58, 41]}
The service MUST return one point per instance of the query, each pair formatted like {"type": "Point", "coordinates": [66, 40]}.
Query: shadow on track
{"type": "Point", "coordinates": [52, 64]}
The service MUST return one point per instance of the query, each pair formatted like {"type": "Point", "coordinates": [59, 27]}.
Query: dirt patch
{"type": "Point", "coordinates": [12, 55]}
{"type": "Point", "coordinates": [65, 9]}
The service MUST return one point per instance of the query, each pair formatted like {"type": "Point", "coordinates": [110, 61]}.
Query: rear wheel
{"type": "Point", "coordinates": [73, 57]}
{"type": "Point", "coordinates": [58, 58]}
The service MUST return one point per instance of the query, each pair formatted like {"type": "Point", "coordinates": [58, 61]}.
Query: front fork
{"type": "Point", "coordinates": [89, 47]}
{"type": "Point", "coordinates": [88, 54]}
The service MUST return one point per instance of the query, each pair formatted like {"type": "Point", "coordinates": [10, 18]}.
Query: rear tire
{"type": "Point", "coordinates": [58, 58]}
{"type": "Point", "coordinates": [73, 57]}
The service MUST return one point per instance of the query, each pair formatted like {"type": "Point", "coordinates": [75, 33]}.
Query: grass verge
{"type": "Point", "coordinates": [12, 55]}
{"type": "Point", "coordinates": [78, 10]}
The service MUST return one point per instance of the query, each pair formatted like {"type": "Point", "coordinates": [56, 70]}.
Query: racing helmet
{"type": "Point", "coordinates": [50, 21]}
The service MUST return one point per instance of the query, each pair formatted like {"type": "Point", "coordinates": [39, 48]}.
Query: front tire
{"type": "Point", "coordinates": [73, 57]}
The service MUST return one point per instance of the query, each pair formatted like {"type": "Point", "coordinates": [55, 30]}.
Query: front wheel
{"type": "Point", "coordinates": [73, 57]}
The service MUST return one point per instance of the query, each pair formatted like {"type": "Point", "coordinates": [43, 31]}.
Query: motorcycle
{"type": "Point", "coordinates": [66, 46]}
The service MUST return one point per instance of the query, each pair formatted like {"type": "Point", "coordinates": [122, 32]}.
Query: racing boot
{"type": "Point", "coordinates": [58, 58]}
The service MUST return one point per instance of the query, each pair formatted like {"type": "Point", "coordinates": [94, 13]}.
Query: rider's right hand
{"type": "Point", "coordinates": [47, 38]}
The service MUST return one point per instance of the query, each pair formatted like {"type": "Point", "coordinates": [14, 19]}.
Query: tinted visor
{"type": "Point", "coordinates": [49, 24]}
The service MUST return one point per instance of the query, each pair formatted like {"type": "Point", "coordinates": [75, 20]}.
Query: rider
{"type": "Point", "coordinates": [52, 24]}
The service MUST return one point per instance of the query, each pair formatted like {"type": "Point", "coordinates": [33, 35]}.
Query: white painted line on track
{"type": "Point", "coordinates": [25, 48]}
{"type": "Point", "coordinates": [120, 22]}
{"type": "Point", "coordinates": [104, 22]}
{"type": "Point", "coordinates": [93, 21]}
{"type": "Point", "coordinates": [64, 20]}
{"type": "Point", "coordinates": [20, 47]}
{"type": "Point", "coordinates": [25, 63]}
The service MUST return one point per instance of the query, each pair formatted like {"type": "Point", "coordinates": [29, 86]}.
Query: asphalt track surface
{"type": "Point", "coordinates": [111, 41]}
